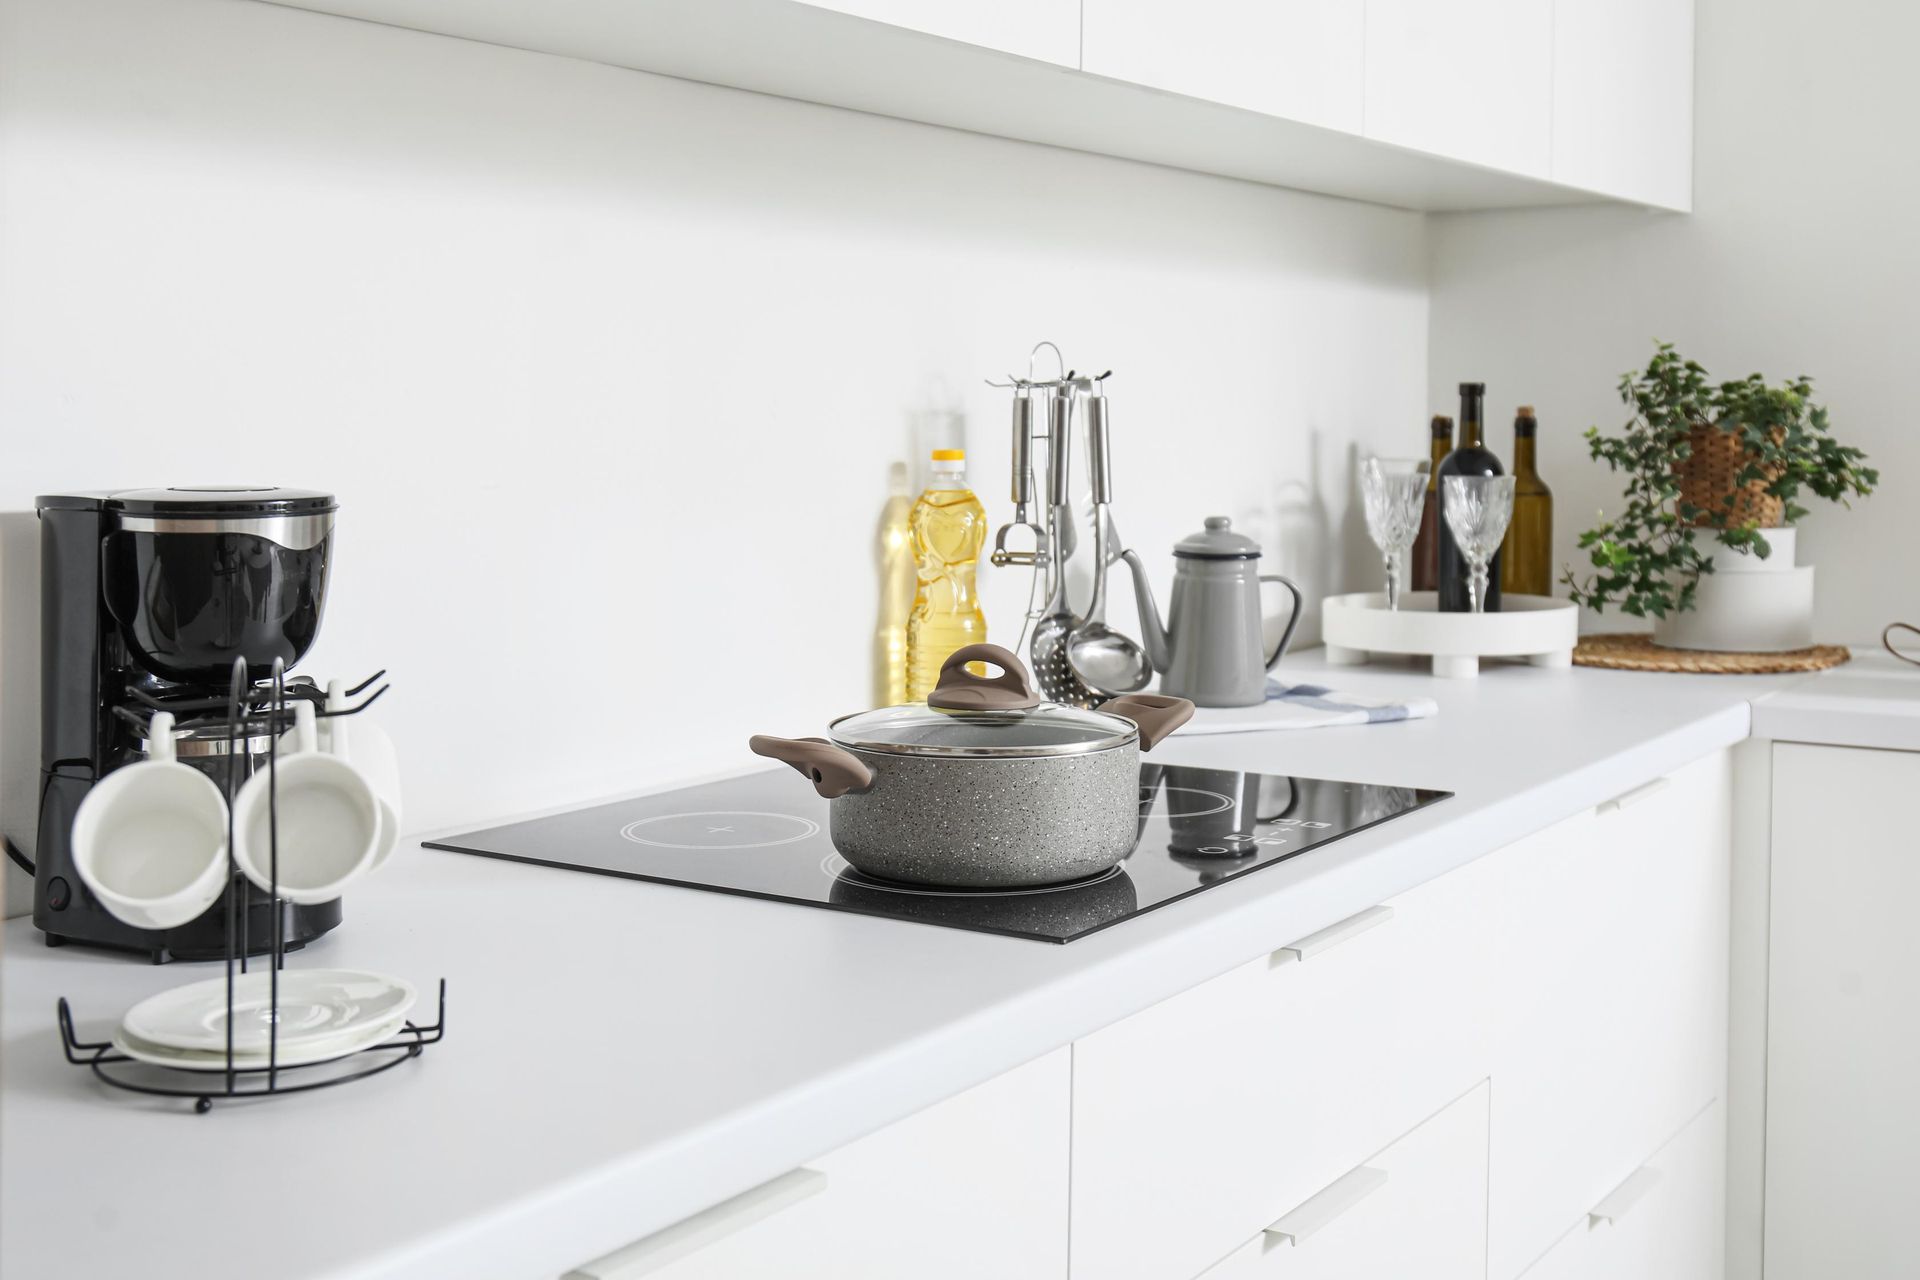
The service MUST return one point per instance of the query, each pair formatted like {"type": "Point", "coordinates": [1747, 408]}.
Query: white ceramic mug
{"type": "Point", "coordinates": [366, 746]}
{"type": "Point", "coordinates": [328, 820]}
{"type": "Point", "coordinates": [150, 839]}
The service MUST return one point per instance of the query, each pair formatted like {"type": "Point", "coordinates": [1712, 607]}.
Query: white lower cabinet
{"type": "Point", "coordinates": [975, 1186]}
{"type": "Point", "coordinates": [1482, 1077]}
{"type": "Point", "coordinates": [1201, 1120]}
{"type": "Point", "coordinates": [1612, 995]}
{"type": "Point", "coordinates": [1664, 1221]}
{"type": "Point", "coordinates": [1416, 1209]}
{"type": "Point", "coordinates": [1843, 1016]}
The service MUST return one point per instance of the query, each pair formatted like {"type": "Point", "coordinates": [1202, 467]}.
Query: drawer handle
{"type": "Point", "coordinates": [1334, 1200]}
{"type": "Point", "coordinates": [1331, 936]}
{"type": "Point", "coordinates": [1626, 799]}
{"type": "Point", "coordinates": [650, 1253]}
{"type": "Point", "coordinates": [1623, 1197]}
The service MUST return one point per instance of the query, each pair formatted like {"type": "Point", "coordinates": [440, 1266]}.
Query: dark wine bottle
{"type": "Point", "coordinates": [1426, 547]}
{"type": "Point", "coordinates": [1471, 458]}
{"type": "Point", "coordinates": [1527, 554]}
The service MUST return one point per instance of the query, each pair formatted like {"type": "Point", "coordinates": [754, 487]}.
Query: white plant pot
{"type": "Point", "coordinates": [1745, 612]}
{"type": "Point", "coordinates": [1780, 554]}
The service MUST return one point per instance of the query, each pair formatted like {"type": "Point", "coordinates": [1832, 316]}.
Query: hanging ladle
{"type": "Point", "coordinates": [1106, 661]}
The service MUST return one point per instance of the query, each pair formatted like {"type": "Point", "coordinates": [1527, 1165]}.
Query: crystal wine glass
{"type": "Point", "coordinates": [1477, 509]}
{"type": "Point", "coordinates": [1393, 490]}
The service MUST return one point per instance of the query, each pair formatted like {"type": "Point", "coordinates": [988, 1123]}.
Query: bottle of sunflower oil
{"type": "Point", "coordinates": [898, 586]}
{"type": "Point", "coordinates": [949, 528]}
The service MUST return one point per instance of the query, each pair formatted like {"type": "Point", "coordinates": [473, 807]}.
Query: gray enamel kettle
{"type": "Point", "coordinates": [1212, 648]}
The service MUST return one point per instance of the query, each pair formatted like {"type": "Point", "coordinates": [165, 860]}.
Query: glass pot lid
{"type": "Point", "coordinates": [1048, 729]}
{"type": "Point", "coordinates": [969, 714]}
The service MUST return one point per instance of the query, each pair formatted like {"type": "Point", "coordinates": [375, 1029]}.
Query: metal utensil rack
{"type": "Point", "coordinates": [250, 707]}
{"type": "Point", "coordinates": [1050, 612]}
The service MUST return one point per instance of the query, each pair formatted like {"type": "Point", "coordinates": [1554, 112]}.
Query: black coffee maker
{"type": "Point", "coordinates": [147, 597]}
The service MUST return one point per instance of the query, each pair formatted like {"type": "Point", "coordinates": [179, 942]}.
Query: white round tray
{"type": "Point", "coordinates": [1540, 629]}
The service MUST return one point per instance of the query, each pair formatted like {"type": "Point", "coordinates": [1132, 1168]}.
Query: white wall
{"type": "Point", "coordinates": [1801, 257]}
{"type": "Point", "coordinates": [608, 369]}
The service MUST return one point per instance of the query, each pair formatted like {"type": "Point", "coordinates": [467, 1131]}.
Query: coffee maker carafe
{"type": "Point", "coordinates": [147, 597]}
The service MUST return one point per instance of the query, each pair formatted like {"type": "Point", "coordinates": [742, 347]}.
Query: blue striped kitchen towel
{"type": "Point", "coordinates": [1306, 706]}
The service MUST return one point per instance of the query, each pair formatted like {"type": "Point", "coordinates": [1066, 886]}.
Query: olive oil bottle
{"type": "Point", "coordinates": [1526, 557]}
{"type": "Point", "coordinates": [1426, 543]}
{"type": "Point", "coordinates": [893, 557]}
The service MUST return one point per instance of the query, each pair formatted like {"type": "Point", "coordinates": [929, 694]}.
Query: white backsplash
{"type": "Point", "coordinates": [608, 369]}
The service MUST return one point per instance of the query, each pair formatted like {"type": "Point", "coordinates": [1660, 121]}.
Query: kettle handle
{"type": "Point", "coordinates": [1293, 619]}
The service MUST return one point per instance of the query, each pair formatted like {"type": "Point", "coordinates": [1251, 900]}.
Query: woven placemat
{"type": "Point", "coordinates": [1640, 653]}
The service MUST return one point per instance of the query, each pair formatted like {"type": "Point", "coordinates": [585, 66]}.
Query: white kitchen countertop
{"type": "Point", "coordinates": [1873, 701]}
{"type": "Point", "coordinates": [621, 1054]}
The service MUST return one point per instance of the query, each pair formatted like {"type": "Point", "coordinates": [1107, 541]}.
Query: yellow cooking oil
{"type": "Point", "coordinates": [949, 528]}
{"type": "Point", "coordinates": [898, 584]}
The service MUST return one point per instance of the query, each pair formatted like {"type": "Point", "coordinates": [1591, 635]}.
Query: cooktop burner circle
{"type": "Point", "coordinates": [1223, 802]}
{"type": "Point", "coordinates": [835, 865]}
{"type": "Point", "coordinates": [720, 829]}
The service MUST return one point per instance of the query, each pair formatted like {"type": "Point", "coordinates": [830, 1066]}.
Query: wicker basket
{"type": "Point", "coordinates": [1706, 478]}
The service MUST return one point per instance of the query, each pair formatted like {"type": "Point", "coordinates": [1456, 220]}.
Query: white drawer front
{"type": "Point", "coordinates": [1203, 1119]}
{"type": "Point", "coordinates": [1419, 1208]}
{"type": "Point", "coordinates": [1664, 1221]}
{"type": "Point", "coordinates": [1612, 987]}
{"type": "Point", "coordinates": [974, 1186]}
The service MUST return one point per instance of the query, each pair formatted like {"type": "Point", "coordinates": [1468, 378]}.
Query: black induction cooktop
{"type": "Point", "coordinates": [764, 837]}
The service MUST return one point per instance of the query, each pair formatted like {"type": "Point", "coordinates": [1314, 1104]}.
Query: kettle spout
{"type": "Point", "coordinates": [1159, 646]}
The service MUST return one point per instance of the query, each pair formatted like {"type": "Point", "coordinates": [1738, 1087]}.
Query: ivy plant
{"type": "Point", "coordinates": [1647, 561]}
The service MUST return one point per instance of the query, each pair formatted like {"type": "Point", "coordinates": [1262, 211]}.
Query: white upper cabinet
{"type": "Point", "coordinates": [1045, 29]}
{"type": "Point", "coordinates": [1467, 79]}
{"type": "Point", "coordinates": [1623, 98]}
{"type": "Point", "coordinates": [1301, 59]}
{"type": "Point", "coordinates": [1418, 104]}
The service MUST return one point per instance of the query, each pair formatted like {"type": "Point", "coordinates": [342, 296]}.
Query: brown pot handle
{"type": "Point", "coordinates": [1156, 714]}
{"type": "Point", "coordinates": [832, 771]}
{"type": "Point", "coordinates": [961, 690]}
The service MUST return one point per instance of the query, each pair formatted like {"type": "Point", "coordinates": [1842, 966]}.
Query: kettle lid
{"type": "Point", "coordinates": [1217, 541]}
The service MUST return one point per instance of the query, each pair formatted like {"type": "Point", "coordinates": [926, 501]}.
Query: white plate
{"type": "Point", "coordinates": [316, 1006]}
{"type": "Point", "coordinates": [298, 1056]}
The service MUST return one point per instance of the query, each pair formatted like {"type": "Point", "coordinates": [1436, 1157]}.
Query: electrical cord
{"type": "Point", "coordinates": [13, 851]}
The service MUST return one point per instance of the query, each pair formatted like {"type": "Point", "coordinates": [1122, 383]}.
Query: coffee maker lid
{"type": "Point", "coordinates": [222, 500]}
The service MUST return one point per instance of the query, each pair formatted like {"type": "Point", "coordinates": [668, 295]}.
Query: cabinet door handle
{"type": "Point", "coordinates": [1633, 797]}
{"type": "Point", "coordinates": [650, 1253]}
{"type": "Point", "coordinates": [1623, 1197]}
{"type": "Point", "coordinates": [1331, 936]}
{"type": "Point", "coordinates": [1335, 1199]}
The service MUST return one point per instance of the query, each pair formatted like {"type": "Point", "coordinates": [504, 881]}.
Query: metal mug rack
{"type": "Point", "coordinates": [269, 708]}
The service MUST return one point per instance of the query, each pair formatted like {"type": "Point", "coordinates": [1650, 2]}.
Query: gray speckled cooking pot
{"type": "Point", "coordinates": [985, 786]}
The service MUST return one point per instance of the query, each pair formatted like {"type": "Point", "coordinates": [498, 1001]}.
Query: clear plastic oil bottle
{"type": "Point", "coordinates": [949, 529]}
{"type": "Point", "coordinates": [898, 585]}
